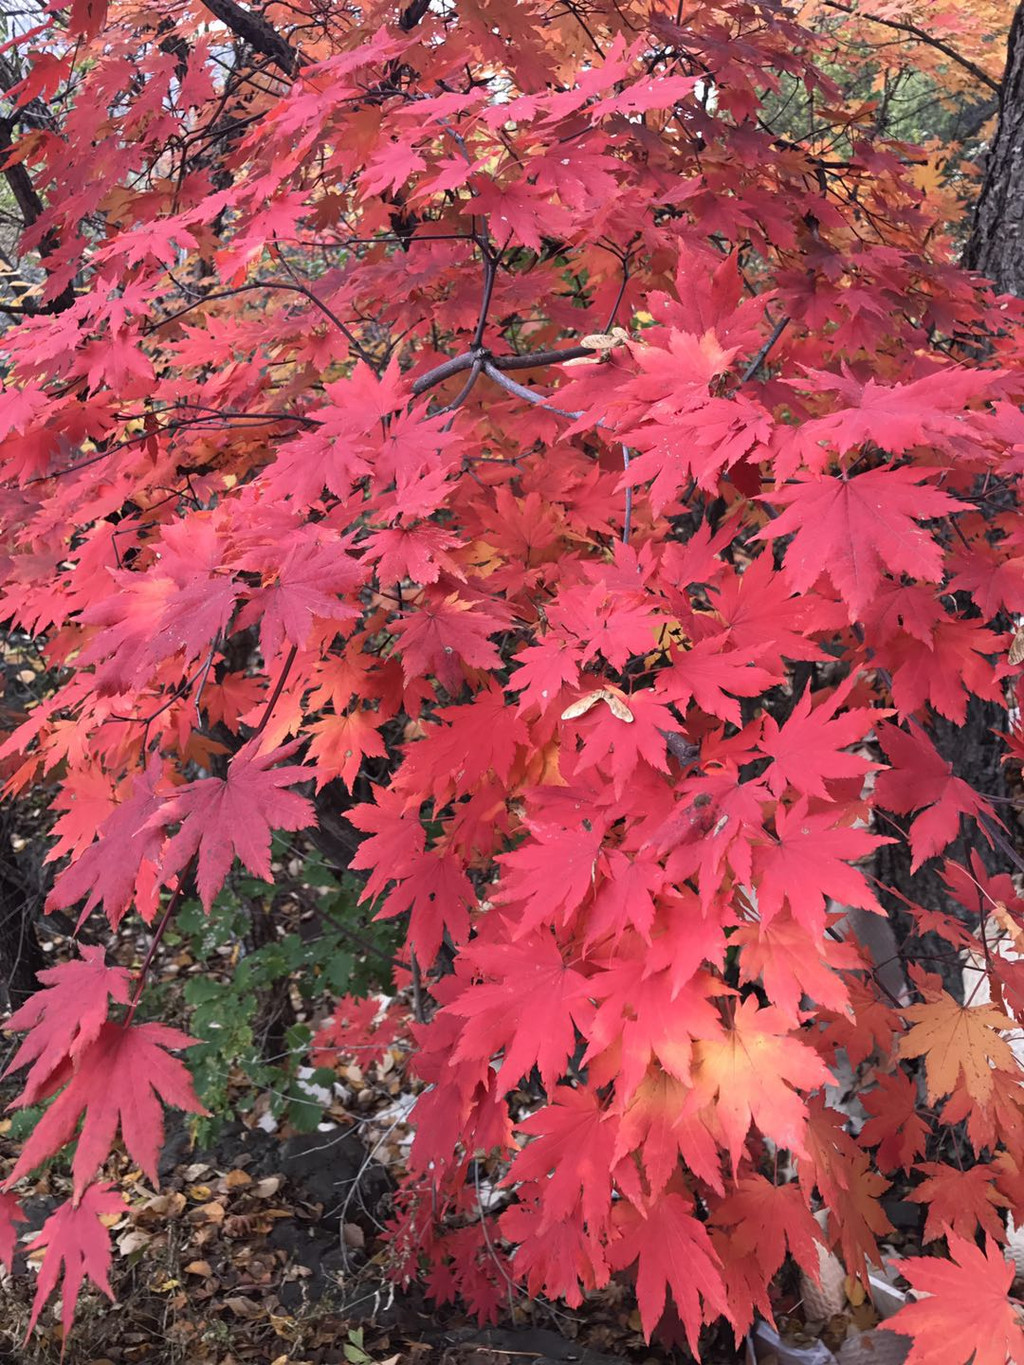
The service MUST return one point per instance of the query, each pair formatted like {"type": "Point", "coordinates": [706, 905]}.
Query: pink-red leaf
{"type": "Point", "coordinates": [225, 817]}
{"type": "Point", "coordinates": [119, 1080]}
{"type": "Point", "coordinates": [76, 1239]}
{"type": "Point", "coordinates": [66, 1017]}
{"type": "Point", "coordinates": [673, 1251]}
{"type": "Point", "coordinates": [10, 1216]}
{"type": "Point", "coordinates": [855, 529]}
{"type": "Point", "coordinates": [966, 1315]}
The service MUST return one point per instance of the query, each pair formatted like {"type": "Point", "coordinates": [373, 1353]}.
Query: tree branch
{"type": "Point", "coordinates": [763, 353]}
{"type": "Point", "coordinates": [922, 36]}
{"type": "Point", "coordinates": [254, 30]}
{"type": "Point", "coordinates": [533, 360]}
{"type": "Point", "coordinates": [31, 207]}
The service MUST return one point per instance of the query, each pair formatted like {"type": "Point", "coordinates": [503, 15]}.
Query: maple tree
{"type": "Point", "coordinates": [480, 432]}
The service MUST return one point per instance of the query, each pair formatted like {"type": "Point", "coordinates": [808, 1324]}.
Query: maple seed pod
{"type": "Point", "coordinates": [616, 705]}
{"type": "Point", "coordinates": [605, 341]}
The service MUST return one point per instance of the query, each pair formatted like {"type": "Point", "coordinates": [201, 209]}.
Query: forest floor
{"type": "Point", "coordinates": [264, 1249]}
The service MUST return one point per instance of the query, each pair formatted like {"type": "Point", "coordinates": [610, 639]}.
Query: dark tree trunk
{"type": "Point", "coordinates": [20, 954]}
{"type": "Point", "coordinates": [996, 244]}
{"type": "Point", "coordinates": [996, 249]}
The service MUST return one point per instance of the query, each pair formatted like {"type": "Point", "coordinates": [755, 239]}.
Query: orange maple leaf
{"type": "Point", "coordinates": [959, 1043]}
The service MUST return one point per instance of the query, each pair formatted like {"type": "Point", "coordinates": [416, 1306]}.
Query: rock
{"type": "Point", "coordinates": [874, 1348]}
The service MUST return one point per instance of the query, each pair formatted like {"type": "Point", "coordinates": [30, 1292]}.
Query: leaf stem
{"type": "Point", "coordinates": [184, 882]}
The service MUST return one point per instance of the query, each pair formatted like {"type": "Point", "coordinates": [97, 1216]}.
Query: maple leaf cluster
{"type": "Point", "coordinates": [505, 447]}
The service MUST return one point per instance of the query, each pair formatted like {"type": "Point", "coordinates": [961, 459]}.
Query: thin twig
{"type": "Point", "coordinates": [464, 392]}
{"type": "Point", "coordinates": [184, 882]}
{"type": "Point", "coordinates": [285, 286]}
{"type": "Point", "coordinates": [490, 273]}
{"type": "Point", "coordinates": [537, 399]}
{"type": "Point", "coordinates": [627, 524]}
{"type": "Point", "coordinates": [275, 695]}
{"type": "Point", "coordinates": [763, 353]}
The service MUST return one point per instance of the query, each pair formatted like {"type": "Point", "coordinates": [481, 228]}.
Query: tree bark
{"type": "Point", "coordinates": [996, 244]}
{"type": "Point", "coordinates": [21, 956]}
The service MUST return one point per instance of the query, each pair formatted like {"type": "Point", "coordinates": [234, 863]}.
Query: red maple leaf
{"type": "Point", "coordinates": [86, 800]}
{"type": "Point", "coordinates": [706, 675]}
{"type": "Point", "coordinates": [418, 552]}
{"type": "Point", "coordinates": [751, 1074]}
{"type": "Point", "coordinates": [856, 528]}
{"type": "Point", "coordinates": [109, 870]}
{"type": "Point", "coordinates": [570, 1157]}
{"type": "Point", "coordinates": [960, 1201]}
{"type": "Point", "coordinates": [65, 1018]}
{"type": "Point", "coordinates": [75, 1238]}
{"type": "Point", "coordinates": [941, 669]}
{"type": "Point", "coordinates": [625, 897]}
{"type": "Point", "coordinates": [531, 1012]}
{"type": "Point", "coordinates": [807, 750]}
{"type": "Point", "coordinates": [807, 862]}
{"type": "Point", "coordinates": [10, 1216]}
{"type": "Point", "coordinates": [118, 1080]}
{"type": "Point", "coordinates": [144, 620]}
{"type": "Point", "coordinates": [645, 1014]}
{"type": "Point", "coordinates": [656, 1126]}
{"type": "Point", "coordinates": [764, 620]}
{"type": "Point", "coordinates": [473, 741]}
{"type": "Point", "coordinates": [557, 1260]}
{"type": "Point", "coordinates": [849, 1185]}
{"type": "Point", "coordinates": [898, 416]}
{"type": "Point", "coordinates": [443, 634]}
{"type": "Point", "coordinates": [617, 743]}
{"type": "Point", "coordinates": [437, 893]}
{"type": "Point", "coordinates": [767, 1220]}
{"type": "Point", "coordinates": [894, 1127]}
{"type": "Point", "coordinates": [794, 964]}
{"type": "Point", "coordinates": [673, 1251]}
{"type": "Point", "coordinates": [550, 874]}
{"type": "Point", "coordinates": [225, 817]}
{"type": "Point", "coordinates": [355, 1033]}
{"type": "Point", "coordinates": [921, 779]}
{"type": "Point", "coordinates": [966, 1314]}
{"type": "Point", "coordinates": [309, 581]}
{"type": "Point", "coordinates": [340, 743]}
{"type": "Point", "coordinates": [543, 670]}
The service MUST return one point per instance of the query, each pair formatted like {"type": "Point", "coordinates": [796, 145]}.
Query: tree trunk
{"type": "Point", "coordinates": [20, 954]}
{"type": "Point", "coordinates": [996, 244]}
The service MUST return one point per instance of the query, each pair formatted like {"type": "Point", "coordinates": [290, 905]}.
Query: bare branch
{"type": "Point", "coordinates": [533, 360]}
{"type": "Point", "coordinates": [254, 30]}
